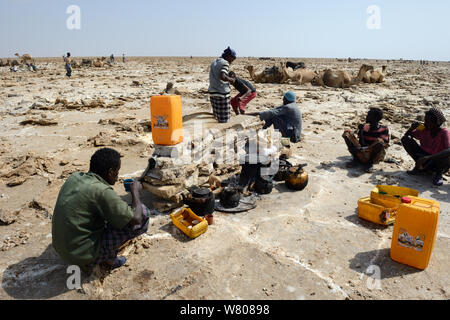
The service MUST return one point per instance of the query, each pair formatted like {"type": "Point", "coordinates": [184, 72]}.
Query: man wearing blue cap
{"type": "Point", "coordinates": [287, 118]}
{"type": "Point", "coordinates": [219, 85]}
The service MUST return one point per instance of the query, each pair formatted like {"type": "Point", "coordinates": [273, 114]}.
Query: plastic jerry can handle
{"type": "Point", "coordinates": [406, 200]}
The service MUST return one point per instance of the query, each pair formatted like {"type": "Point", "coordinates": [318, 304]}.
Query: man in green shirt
{"type": "Point", "coordinates": [90, 221]}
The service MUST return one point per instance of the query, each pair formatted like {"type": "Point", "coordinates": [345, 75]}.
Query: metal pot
{"type": "Point", "coordinates": [200, 200]}
{"type": "Point", "coordinates": [283, 169]}
{"type": "Point", "coordinates": [297, 178]}
{"type": "Point", "coordinates": [230, 197]}
{"type": "Point", "coordinates": [263, 186]}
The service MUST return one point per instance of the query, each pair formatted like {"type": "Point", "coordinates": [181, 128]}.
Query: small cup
{"type": "Point", "coordinates": [127, 184]}
{"type": "Point", "coordinates": [209, 218]}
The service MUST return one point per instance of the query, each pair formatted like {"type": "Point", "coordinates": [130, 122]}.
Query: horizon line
{"type": "Point", "coordinates": [245, 57]}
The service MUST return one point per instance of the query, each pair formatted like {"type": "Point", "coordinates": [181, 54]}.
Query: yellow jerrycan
{"type": "Point", "coordinates": [415, 231]}
{"type": "Point", "coordinates": [166, 119]}
{"type": "Point", "coordinates": [390, 196]}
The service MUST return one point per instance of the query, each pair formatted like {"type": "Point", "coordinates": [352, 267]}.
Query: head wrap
{"type": "Point", "coordinates": [229, 52]}
{"type": "Point", "coordinates": [440, 118]}
{"type": "Point", "coordinates": [290, 96]}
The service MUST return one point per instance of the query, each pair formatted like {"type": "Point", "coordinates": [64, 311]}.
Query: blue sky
{"type": "Point", "coordinates": [277, 28]}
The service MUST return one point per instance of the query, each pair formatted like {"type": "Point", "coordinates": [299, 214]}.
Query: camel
{"type": "Point", "coordinates": [100, 62]}
{"type": "Point", "coordinates": [298, 76]}
{"type": "Point", "coordinates": [295, 65]}
{"type": "Point", "coordinates": [86, 62]}
{"type": "Point", "coordinates": [25, 58]}
{"type": "Point", "coordinates": [375, 76]}
{"type": "Point", "coordinates": [339, 78]}
{"type": "Point", "coordinates": [75, 64]}
{"type": "Point", "coordinates": [269, 75]}
{"type": "Point", "coordinates": [12, 63]}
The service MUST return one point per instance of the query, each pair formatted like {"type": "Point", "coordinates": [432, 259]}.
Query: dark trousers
{"type": "Point", "coordinates": [68, 69]}
{"type": "Point", "coordinates": [113, 239]}
{"type": "Point", "coordinates": [416, 152]}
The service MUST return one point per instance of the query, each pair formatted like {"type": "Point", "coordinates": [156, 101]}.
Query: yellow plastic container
{"type": "Point", "coordinates": [390, 196]}
{"type": "Point", "coordinates": [376, 213]}
{"type": "Point", "coordinates": [189, 223]}
{"type": "Point", "coordinates": [415, 232]}
{"type": "Point", "coordinates": [166, 120]}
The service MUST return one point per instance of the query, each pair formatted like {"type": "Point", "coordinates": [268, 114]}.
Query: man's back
{"type": "Point", "coordinates": [84, 203]}
{"type": "Point", "coordinates": [291, 116]}
{"type": "Point", "coordinates": [216, 84]}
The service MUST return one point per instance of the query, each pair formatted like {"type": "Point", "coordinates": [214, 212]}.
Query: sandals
{"type": "Point", "coordinates": [118, 262]}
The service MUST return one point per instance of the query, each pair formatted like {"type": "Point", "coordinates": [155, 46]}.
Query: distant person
{"type": "Point", "coordinates": [247, 93]}
{"type": "Point", "coordinates": [124, 59]}
{"type": "Point", "coordinates": [68, 61]}
{"type": "Point", "coordinates": [370, 144]}
{"type": "Point", "coordinates": [111, 58]}
{"type": "Point", "coordinates": [31, 66]}
{"type": "Point", "coordinates": [90, 221]}
{"type": "Point", "coordinates": [13, 69]}
{"type": "Point", "coordinates": [287, 118]}
{"type": "Point", "coordinates": [433, 154]}
{"type": "Point", "coordinates": [219, 85]}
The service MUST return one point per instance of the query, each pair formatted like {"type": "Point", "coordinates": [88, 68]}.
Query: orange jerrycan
{"type": "Point", "coordinates": [166, 119]}
{"type": "Point", "coordinates": [415, 231]}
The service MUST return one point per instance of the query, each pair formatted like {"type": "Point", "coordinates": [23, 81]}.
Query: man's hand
{"type": "Point", "coordinates": [136, 187]}
{"type": "Point", "coordinates": [414, 126]}
{"type": "Point", "coordinates": [421, 162]}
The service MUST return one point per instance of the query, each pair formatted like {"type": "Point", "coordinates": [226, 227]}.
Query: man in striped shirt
{"type": "Point", "coordinates": [219, 85]}
{"type": "Point", "coordinates": [373, 140]}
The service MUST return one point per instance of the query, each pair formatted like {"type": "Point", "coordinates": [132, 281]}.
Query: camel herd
{"type": "Point", "coordinates": [21, 60]}
{"type": "Point", "coordinates": [328, 77]}
{"type": "Point", "coordinates": [289, 72]}
{"type": "Point", "coordinates": [98, 63]}
{"type": "Point", "coordinates": [27, 59]}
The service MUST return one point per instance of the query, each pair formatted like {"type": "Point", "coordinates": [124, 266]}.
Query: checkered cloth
{"type": "Point", "coordinates": [221, 107]}
{"type": "Point", "coordinates": [113, 239]}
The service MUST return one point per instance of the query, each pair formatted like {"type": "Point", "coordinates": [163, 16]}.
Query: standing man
{"type": "Point", "coordinates": [219, 85]}
{"type": "Point", "coordinates": [247, 93]}
{"type": "Point", "coordinates": [123, 58]}
{"type": "Point", "coordinates": [90, 221]}
{"type": "Point", "coordinates": [287, 118]}
{"type": "Point", "coordinates": [433, 154]}
{"type": "Point", "coordinates": [68, 61]}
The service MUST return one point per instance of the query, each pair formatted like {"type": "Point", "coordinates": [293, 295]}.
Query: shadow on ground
{"type": "Point", "coordinates": [381, 258]}
{"type": "Point", "coordinates": [175, 232]}
{"type": "Point", "coordinates": [40, 277]}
